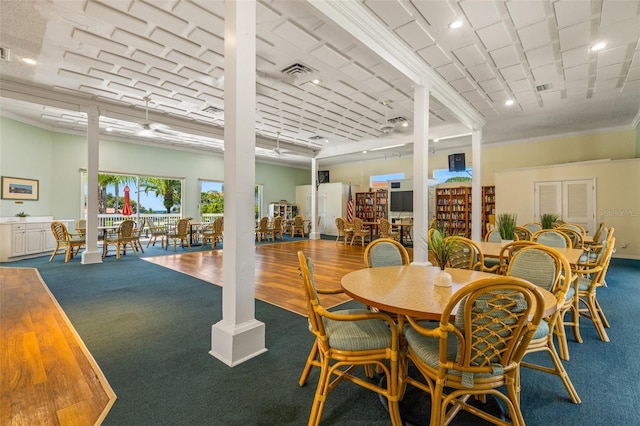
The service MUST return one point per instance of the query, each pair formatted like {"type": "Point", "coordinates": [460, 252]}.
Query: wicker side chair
{"type": "Point", "coordinates": [385, 252]}
{"type": "Point", "coordinates": [181, 232]}
{"type": "Point", "coordinates": [548, 269]}
{"type": "Point", "coordinates": [359, 231]}
{"type": "Point", "coordinates": [124, 238]}
{"type": "Point", "coordinates": [523, 233]}
{"type": "Point", "coordinates": [551, 238]}
{"type": "Point", "coordinates": [276, 229]}
{"type": "Point", "coordinates": [344, 230]}
{"type": "Point", "coordinates": [533, 226]}
{"type": "Point", "coordinates": [262, 231]}
{"type": "Point", "coordinates": [66, 242]}
{"type": "Point", "coordinates": [467, 255]}
{"type": "Point", "coordinates": [591, 276]}
{"type": "Point", "coordinates": [385, 230]}
{"type": "Point", "coordinates": [156, 232]}
{"type": "Point", "coordinates": [468, 357]}
{"type": "Point", "coordinates": [349, 339]}
{"type": "Point", "coordinates": [575, 236]}
{"type": "Point", "coordinates": [298, 226]}
{"type": "Point", "coordinates": [212, 232]}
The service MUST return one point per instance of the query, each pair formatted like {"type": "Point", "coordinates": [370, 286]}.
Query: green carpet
{"type": "Point", "coordinates": [149, 329]}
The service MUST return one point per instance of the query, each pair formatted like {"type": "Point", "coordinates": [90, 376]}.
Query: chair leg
{"type": "Point", "coordinates": [312, 360]}
{"type": "Point", "coordinates": [595, 314]}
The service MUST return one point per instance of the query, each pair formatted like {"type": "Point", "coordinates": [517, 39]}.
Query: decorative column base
{"type": "Point", "coordinates": [89, 257]}
{"type": "Point", "coordinates": [234, 344]}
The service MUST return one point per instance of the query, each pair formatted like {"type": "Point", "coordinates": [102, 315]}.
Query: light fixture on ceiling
{"type": "Point", "coordinates": [509, 102]}
{"type": "Point", "coordinates": [388, 147]}
{"type": "Point", "coordinates": [29, 61]}
{"type": "Point", "coordinates": [598, 46]}
{"type": "Point", "coordinates": [456, 24]}
{"type": "Point", "coordinates": [451, 137]}
{"type": "Point", "coordinates": [316, 81]}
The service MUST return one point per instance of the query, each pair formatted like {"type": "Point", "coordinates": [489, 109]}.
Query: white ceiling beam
{"type": "Point", "coordinates": [358, 21]}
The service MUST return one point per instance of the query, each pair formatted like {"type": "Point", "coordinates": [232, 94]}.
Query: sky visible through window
{"type": "Point", "coordinates": [150, 201]}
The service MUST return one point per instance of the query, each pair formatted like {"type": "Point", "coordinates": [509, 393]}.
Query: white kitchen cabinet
{"type": "Point", "coordinates": [20, 240]}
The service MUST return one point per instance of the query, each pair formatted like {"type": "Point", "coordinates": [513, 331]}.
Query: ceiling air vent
{"type": "Point", "coordinates": [297, 69]}
{"type": "Point", "coordinates": [5, 53]}
{"type": "Point", "coordinates": [212, 110]}
{"type": "Point", "coordinates": [316, 138]}
{"type": "Point", "coordinates": [543, 87]}
{"type": "Point", "coordinates": [396, 120]}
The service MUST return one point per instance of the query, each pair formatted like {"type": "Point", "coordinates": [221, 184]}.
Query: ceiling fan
{"type": "Point", "coordinates": [277, 150]}
{"type": "Point", "coordinates": [392, 124]}
{"type": "Point", "coordinates": [148, 128]}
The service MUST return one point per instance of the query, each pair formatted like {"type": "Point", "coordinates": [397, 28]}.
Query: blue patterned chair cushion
{"type": "Point", "coordinates": [542, 331]}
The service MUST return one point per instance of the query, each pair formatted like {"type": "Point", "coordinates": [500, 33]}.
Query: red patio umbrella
{"type": "Point", "coordinates": [126, 209]}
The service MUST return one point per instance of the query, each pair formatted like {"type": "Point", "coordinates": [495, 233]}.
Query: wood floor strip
{"type": "Point", "coordinates": [48, 375]}
{"type": "Point", "coordinates": [276, 269]}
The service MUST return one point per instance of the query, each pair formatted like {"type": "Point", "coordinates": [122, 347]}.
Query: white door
{"type": "Point", "coordinates": [573, 200]}
{"type": "Point", "coordinates": [578, 203]}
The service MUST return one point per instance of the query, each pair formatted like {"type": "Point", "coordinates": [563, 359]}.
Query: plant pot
{"type": "Point", "coordinates": [505, 242]}
{"type": "Point", "coordinates": [443, 279]}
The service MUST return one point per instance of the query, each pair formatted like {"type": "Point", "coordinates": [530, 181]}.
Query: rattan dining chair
{"type": "Point", "coordinates": [298, 226]}
{"type": "Point", "coordinates": [262, 231]}
{"type": "Point", "coordinates": [359, 231]}
{"type": "Point", "coordinates": [479, 353]}
{"type": "Point", "coordinates": [550, 270]}
{"type": "Point", "coordinates": [466, 254]}
{"type": "Point", "coordinates": [345, 340]}
{"type": "Point", "coordinates": [155, 232]}
{"type": "Point", "coordinates": [276, 228]}
{"type": "Point", "coordinates": [385, 252]}
{"type": "Point", "coordinates": [551, 238]}
{"type": "Point", "coordinates": [385, 230]}
{"type": "Point", "coordinates": [344, 230]}
{"type": "Point", "coordinates": [66, 242]}
{"type": "Point", "coordinates": [533, 226]}
{"type": "Point", "coordinates": [181, 232]}
{"type": "Point", "coordinates": [591, 276]}
{"type": "Point", "coordinates": [125, 237]}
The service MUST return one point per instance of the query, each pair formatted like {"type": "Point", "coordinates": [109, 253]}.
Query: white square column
{"type": "Point", "coordinates": [239, 336]}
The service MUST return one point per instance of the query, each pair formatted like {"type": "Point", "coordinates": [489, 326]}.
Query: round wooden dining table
{"type": "Point", "coordinates": [410, 290]}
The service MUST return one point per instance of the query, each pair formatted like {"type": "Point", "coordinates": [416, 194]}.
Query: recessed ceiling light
{"type": "Point", "coordinates": [599, 46]}
{"type": "Point", "coordinates": [29, 61]}
{"type": "Point", "coordinates": [109, 129]}
{"type": "Point", "coordinates": [326, 141]}
{"type": "Point", "coordinates": [509, 102]}
{"type": "Point", "coordinates": [436, 140]}
{"type": "Point", "coordinates": [405, 124]}
{"type": "Point", "coordinates": [364, 152]}
{"type": "Point", "coordinates": [456, 24]}
{"type": "Point", "coordinates": [316, 81]}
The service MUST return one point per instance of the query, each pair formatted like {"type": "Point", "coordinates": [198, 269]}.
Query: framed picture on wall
{"type": "Point", "coordinates": [20, 189]}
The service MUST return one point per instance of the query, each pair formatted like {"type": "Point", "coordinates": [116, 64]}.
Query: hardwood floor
{"type": "Point", "coordinates": [277, 280]}
{"type": "Point", "coordinates": [47, 376]}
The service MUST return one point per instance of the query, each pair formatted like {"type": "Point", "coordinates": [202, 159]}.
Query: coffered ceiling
{"type": "Point", "coordinates": [156, 71]}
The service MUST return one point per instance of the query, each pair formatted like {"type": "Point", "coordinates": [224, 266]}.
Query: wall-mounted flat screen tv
{"type": "Point", "coordinates": [401, 201]}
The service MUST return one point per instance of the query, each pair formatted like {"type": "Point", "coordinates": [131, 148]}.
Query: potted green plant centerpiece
{"type": "Point", "coordinates": [548, 219]}
{"type": "Point", "coordinates": [22, 215]}
{"type": "Point", "coordinates": [506, 223]}
{"type": "Point", "coordinates": [441, 248]}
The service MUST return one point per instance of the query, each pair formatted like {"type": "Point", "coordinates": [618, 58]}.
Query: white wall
{"type": "Point", "coordinates": [56, 158]}
{"type": "Point", "coordinates": [617, 195]}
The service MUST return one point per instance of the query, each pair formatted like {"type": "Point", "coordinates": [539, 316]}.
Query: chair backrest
{"type": "Point", "coordinates": [357, 224]}
{"type": "Point", "coordinates": [523, 233]}
{"type": "Point", "coordinates": [81, 226]}
{"type": "Point", "coordinates": [277, 223]}
{"type": "Point", "coordinates": [313, 302]}
{"type": "Point", "coordinates": [217, 225]}
{"type": "Point", "coordinates": [263, 224]}
{"type": "Point", "coordinates": [493, 236]}
{"type": "Point", "coordinates": [532, 226]}
{"type": "Point", "coordinates": [598, 232]}
{"type": "Point", "coordinates": [576, 227]}
{"type": "Point", "coordinates": [542, 266]}
{"type": "Point", "coordinates": [574, 235]}
{"type": "Point", "coordinates": [340, 224]}
{"type": "Point", "coordinates": [603, 261]}
{"type": "Point", "coordinates": [385, 252]}
{"type": "Point", "coordinates": [182, 228]}
{"type": "Point", "coordinates": [494, 323]}
{"type": "Point", "coordinates": [465, 254]}
{"type": "Point", "coordinates": [508, 251]}
{"type": "Point", "coordinates": [551, 238]}
{"type": "Point", "coordinates": [298, 221]}
{"type": "Point", "coordinates": [59, 230]}
{"type": "Point", "coordinates": [127, 229]}
{"type": "Point", "coordinates": [384, 227]}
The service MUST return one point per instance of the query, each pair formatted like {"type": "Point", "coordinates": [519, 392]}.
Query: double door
{"type": "Point", "coordinates": [573, 200]}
